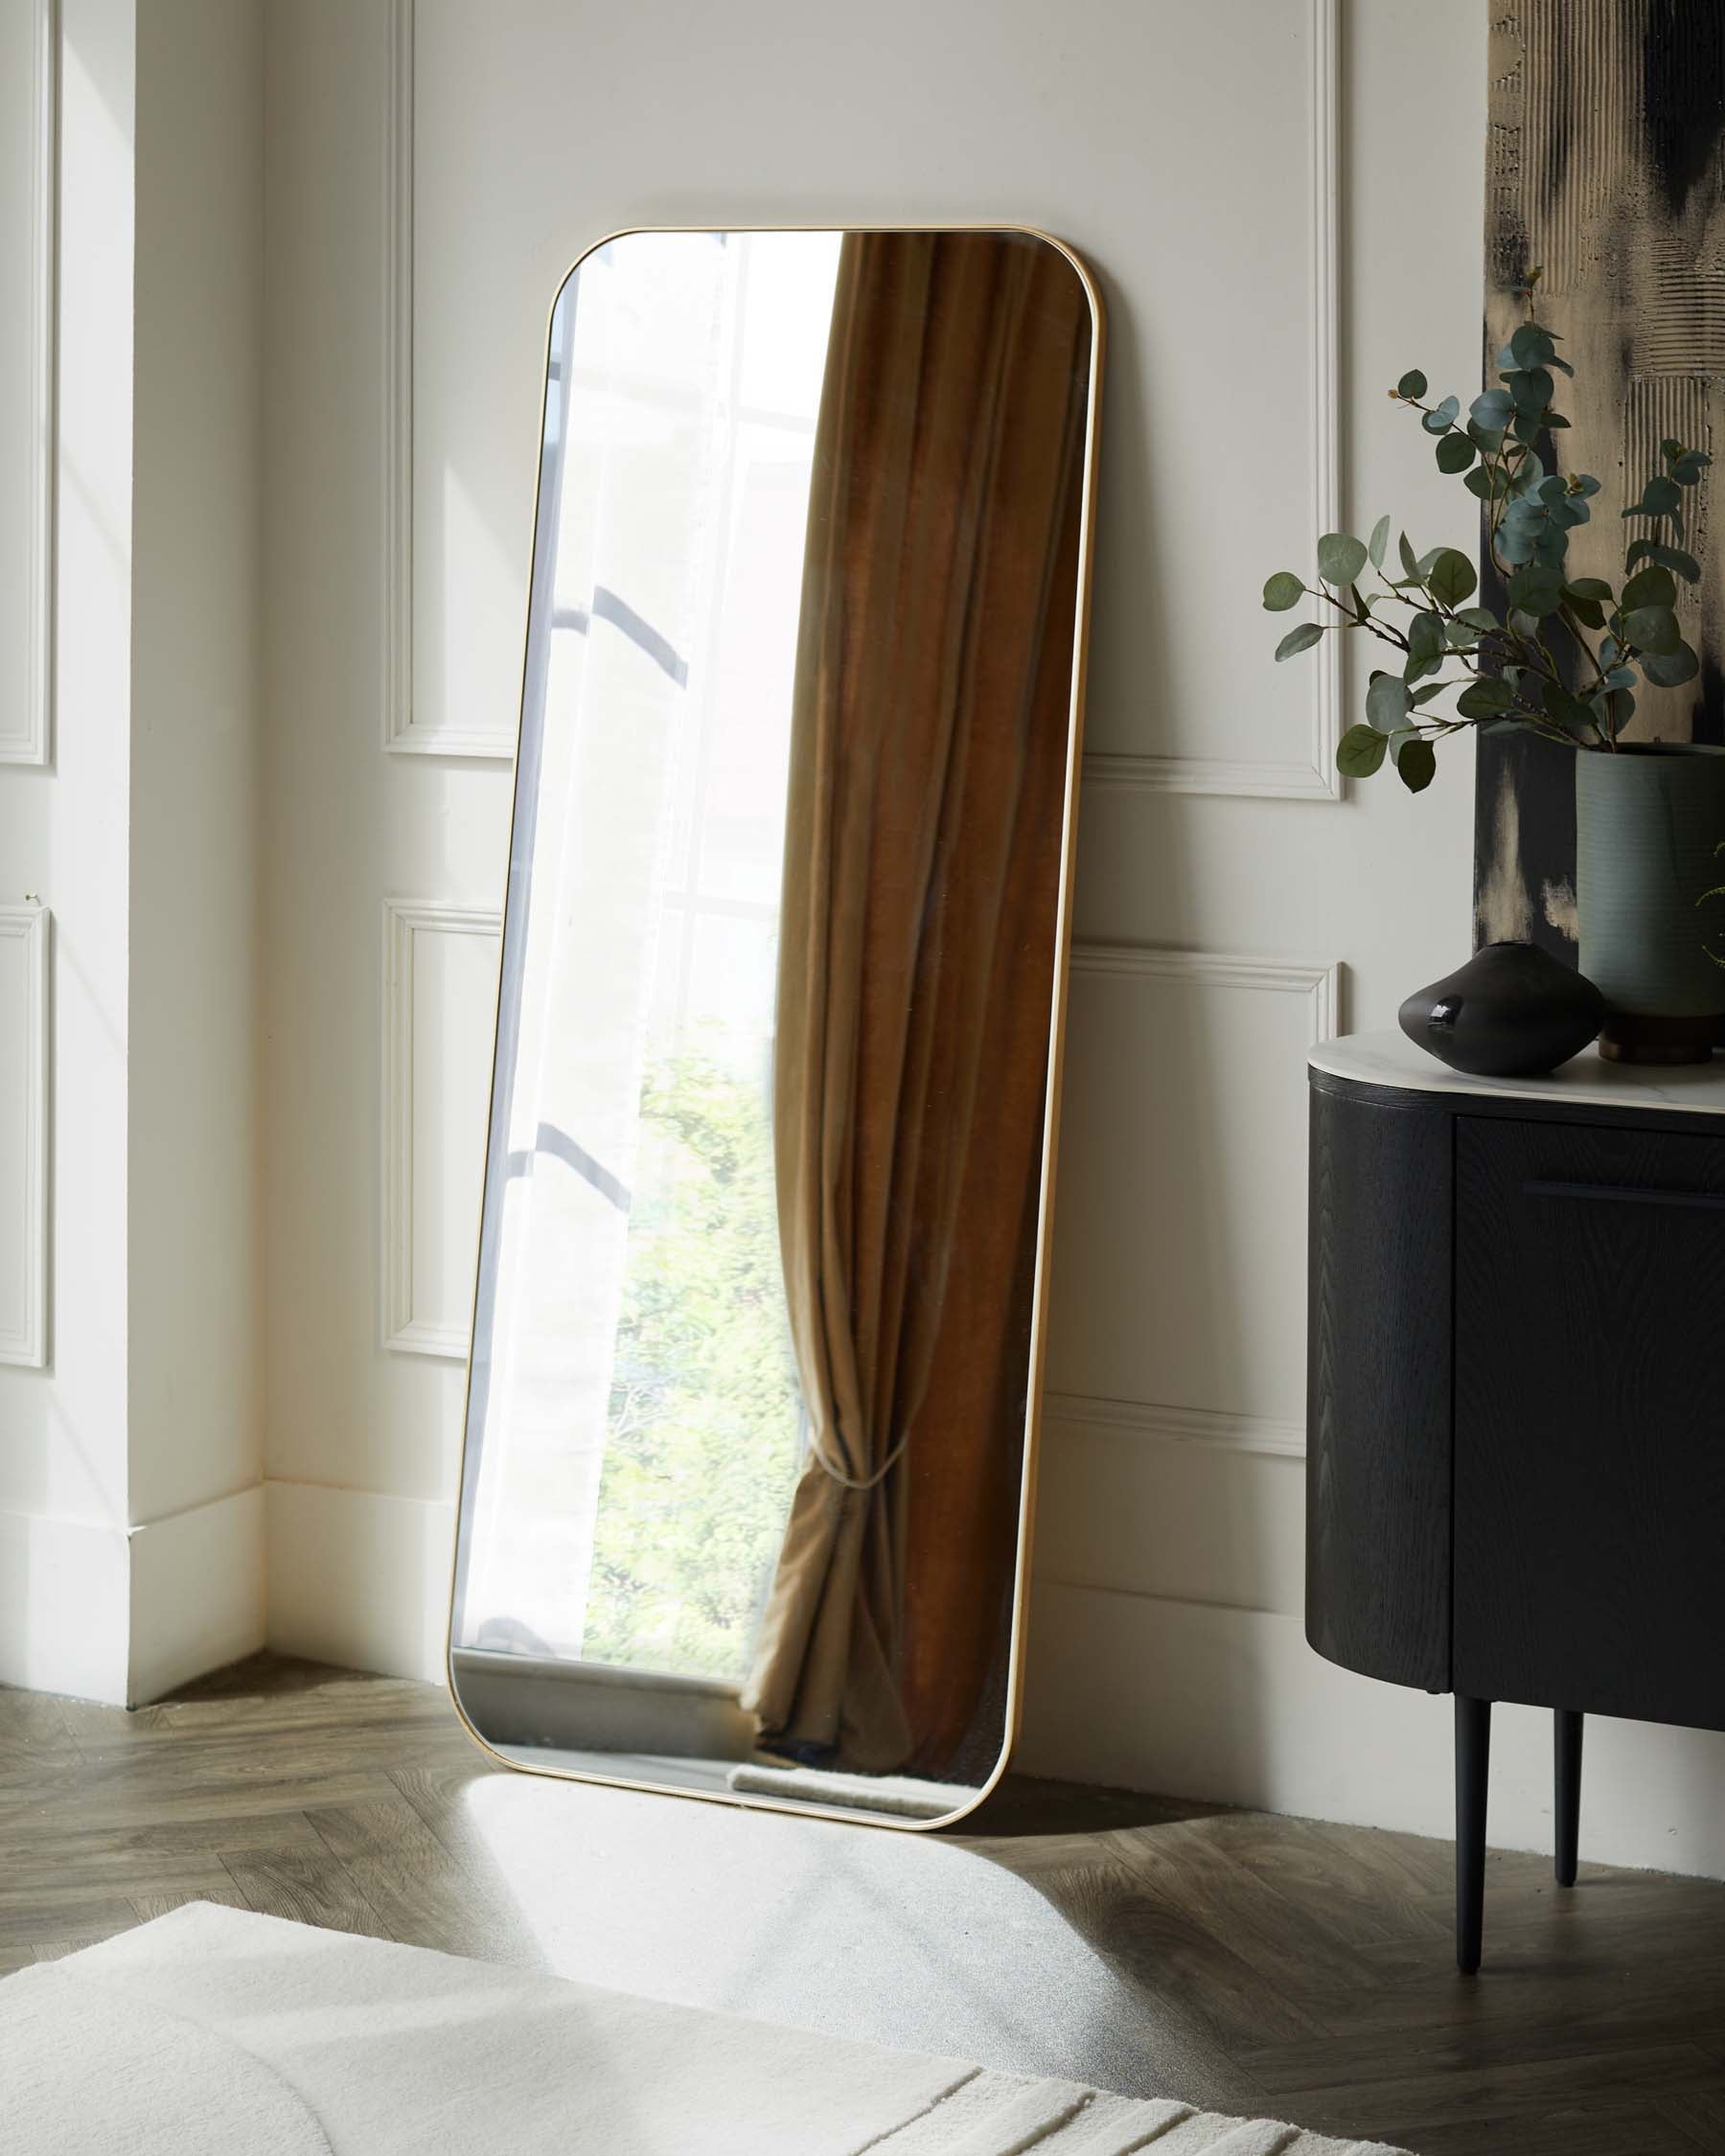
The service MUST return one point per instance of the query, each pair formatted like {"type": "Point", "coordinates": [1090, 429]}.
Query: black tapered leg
{"type": "Point", "coordinates": [1566, 1761]}
{"type": "Point", "coordinates": [1473, 1760]}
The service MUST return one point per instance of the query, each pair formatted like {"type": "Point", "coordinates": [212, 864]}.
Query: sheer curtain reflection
{"type": "Point", "coordinates": [636, 1233]}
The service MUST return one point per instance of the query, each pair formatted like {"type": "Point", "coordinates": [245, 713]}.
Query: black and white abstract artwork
{"type": "Point", "coordinates": [1605, 169]}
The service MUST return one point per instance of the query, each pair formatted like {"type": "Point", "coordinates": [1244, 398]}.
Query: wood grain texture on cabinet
{"type": "Point", "coordinates": [1590, 1424]}
{"type": "Point", "coordinates": [1378, 1389]}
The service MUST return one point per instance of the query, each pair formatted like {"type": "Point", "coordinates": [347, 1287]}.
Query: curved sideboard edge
{"type": "Point", "coordinates": [1378, 1384]}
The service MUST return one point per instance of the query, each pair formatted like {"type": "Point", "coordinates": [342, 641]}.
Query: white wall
{"type": "Point", "coordinates": [134, 827]}
{"type": "Point", "coordinates": [194, 1229]}
{"type": "Point", "coordinates": [63, 842]}
{"type": "Point", "coordinates": [362, 1437]}
{"type": "Point", "coordinates": [1176, 147]}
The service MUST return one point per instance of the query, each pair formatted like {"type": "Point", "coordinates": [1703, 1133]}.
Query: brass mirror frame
{"type": "Point", "coordinates": [1045, 1215]}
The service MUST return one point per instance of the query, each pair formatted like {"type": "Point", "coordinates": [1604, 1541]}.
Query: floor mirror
{"type": "Point", "coordinates": [751, 1436]}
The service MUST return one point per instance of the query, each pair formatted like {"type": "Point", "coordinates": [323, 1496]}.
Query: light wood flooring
{"type": "Point", "coordinates": [1246, 1963]}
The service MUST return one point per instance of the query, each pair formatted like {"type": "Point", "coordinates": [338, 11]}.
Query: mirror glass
{"type": "Point", "coordinates": [751, 1401]}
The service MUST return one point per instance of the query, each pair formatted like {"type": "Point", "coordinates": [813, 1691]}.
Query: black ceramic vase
{"type": "Point", "coordinates": [1513, 1011]}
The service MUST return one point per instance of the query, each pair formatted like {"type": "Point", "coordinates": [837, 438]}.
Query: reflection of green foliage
{"type": "Point", "coordinates": [701, 1445]}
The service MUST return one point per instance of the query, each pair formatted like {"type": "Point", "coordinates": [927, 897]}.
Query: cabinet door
{"type": "Point", "coordinates": [1590, 1439]}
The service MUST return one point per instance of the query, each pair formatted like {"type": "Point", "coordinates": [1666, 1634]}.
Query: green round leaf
{"type": "Point", "coordinates": [1652, 629]}
{"type": "Point", "coordinates": [1659, 498]}
{"type": "Point", "coordinates": [1651, 588]}
{"type": "Point", "coordinates": [1281, 591]}
{"type": "Point", "coordinates": [1415, 762]}
{"type": "Point", "coordinates": [1425, 638]}
{"type": "Point", "coordinates": [1412, 384]}
{"type": "Point", "coordinates": [1360, 751]}
{"type": "Point", "coordinates": [1442, 417]}
{"type": "Point", "coordinates": [1387, 702]}
{"type": "Point", "coordinates": [1454, 453]}
{"type": "Point", "coordinates": [1670, 670]}
{"type": "Point", "coordinates": [1300, 639]}
{"type": "Point", "coordinates": [1378, 544]}
{"type": "Point", "coordinates": [1451, 578]}
{"type": "Point", "coordinates": [1484, 699]}
{"type": "Point", "coordinates": [1672, 558]}
{"type": "Point", "coordinates": [1588, 587]}
{"type": "Point", "coordinates": [1339, 558]}
{"type": "Point", "coordinates": [1536, 589]}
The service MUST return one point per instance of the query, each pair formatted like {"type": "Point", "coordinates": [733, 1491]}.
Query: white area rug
{"type": "Point", "coordinates": [214, 2032]}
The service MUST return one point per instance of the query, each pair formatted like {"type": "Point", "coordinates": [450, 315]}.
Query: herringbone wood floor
{"type": "Point", "coordinates": [1247, 1963]}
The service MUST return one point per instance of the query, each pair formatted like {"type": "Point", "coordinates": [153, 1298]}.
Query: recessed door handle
{"type": "Point", "coordinates": [1695, 1200]}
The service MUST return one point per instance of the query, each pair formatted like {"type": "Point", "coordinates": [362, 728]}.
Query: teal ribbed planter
{"type": "Point", "coordinates": [1648, 822]}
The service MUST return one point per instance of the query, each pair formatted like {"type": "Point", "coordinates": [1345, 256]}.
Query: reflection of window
{"type": "Point", "coordinates": [640, 1432]}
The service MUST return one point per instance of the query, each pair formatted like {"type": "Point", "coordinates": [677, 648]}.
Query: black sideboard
{"type": "Point", "coordinates": [1515, 1415]}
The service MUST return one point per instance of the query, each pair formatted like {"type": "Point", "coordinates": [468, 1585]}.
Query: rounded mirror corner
{"type": "Point", "coordinates": [587, 254]}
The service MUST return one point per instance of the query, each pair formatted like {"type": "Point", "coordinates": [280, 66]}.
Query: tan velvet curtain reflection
{"type": "Point", "coordinates": [928, 764]}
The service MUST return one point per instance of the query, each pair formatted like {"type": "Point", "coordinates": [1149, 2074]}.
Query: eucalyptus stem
{"type": "Point", "coordinates": [1510, 671]}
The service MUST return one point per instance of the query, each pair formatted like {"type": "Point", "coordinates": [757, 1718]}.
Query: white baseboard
{"type": "Point", "coordinates": [121, 1616]}
{"type": "Point", "coordinates": [63, 1606]}
{"type": "Point", "coordinates": [358, 1578]}
{"type": "Point", "coordinates": [1232, 1705]}
{"type": "Point", "coordinates": [197, 1592]}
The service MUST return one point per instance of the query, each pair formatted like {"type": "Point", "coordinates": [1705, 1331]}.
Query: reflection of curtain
{"type": "Point", "coordinates": [915, 974]}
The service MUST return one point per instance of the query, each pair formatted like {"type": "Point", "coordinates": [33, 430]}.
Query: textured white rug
{"type": "Point", "coordinates": [213, 2032]}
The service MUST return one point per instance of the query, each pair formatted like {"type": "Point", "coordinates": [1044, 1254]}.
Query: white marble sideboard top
{"type": "Point", "coordinates": [1587, 1080]}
